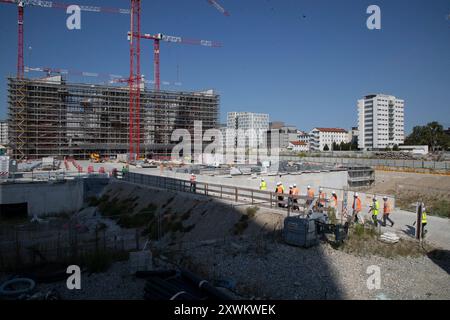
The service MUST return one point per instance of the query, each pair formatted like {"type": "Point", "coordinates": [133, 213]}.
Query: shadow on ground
{"type": "Point", "coordinates": [441, 258]}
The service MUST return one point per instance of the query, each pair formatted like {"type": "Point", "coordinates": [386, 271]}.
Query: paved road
{"type": "Point", "coordinates": [438, 228]}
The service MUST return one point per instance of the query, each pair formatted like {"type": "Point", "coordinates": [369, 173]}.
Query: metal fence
{"type": "Point", "coordinates": [49, 176]}
{"type": "Point", "coordinates": [30, 244]}
{"type": "Point", "coordinates": [416, 164]}
{"type": "Point", "coordinates": [232, 193]}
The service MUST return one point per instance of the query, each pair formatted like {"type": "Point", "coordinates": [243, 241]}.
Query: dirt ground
{"type": "Point", "coordinates": [390, 181]}
{"type": "Point", "coordinates": [408, 188]}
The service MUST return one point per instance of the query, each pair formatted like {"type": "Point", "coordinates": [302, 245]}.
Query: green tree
{"type": "Point", "coordinates": [326, 148]}
{"type": "Point", "coordinates": [431, 135]}
{"type": "Point", "coordinates": [395, 147]}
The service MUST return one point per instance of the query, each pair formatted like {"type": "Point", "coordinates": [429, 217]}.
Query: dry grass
{"type": "Point", "coordinates": [363, 241]}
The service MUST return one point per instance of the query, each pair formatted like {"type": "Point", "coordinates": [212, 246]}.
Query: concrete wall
{"type": "Point", "coordinates": [53, 197]}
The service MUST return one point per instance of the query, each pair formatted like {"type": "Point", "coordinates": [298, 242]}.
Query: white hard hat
{"type": "Point", "coordinates": [262, 179]}
{"type": "Point", "coordinates": [294, 185]}
{"type": "Point", "coordinates": [308, 187]}
{"type": "Point", "coordinates": [356, 194]}
{"type": "Point", "coordinates": [385, 197]}
{"type": "Point", "coordinates": [333, 192]}
{"type": "Point", "coordinates": [279, 182]}
{"type": "Point", "coordinates": [320, 189]}
{"type": "Point", "coordinates": [290, 187]}
{"type": "Point", "coordinates": [374, 198]}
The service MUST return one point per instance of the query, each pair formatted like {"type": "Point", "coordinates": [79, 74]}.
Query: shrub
{"type": "Point", "coordinates": [251, 211]}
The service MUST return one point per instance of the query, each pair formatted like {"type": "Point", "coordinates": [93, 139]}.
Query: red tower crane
{"type": "Point", "coordinates": [156, 49]}
{"type": "Point", "coordinates": [46, 4]}
{"type": "Point", "coordinates": [135, 79]}
{"type": "Point", "coordinates": [219, 7]}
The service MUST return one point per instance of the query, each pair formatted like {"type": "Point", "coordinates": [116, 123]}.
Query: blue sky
{"type": "Point", "coordinates": [307, 71]}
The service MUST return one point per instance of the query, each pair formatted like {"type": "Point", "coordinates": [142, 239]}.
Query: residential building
{"type": "Point", "coordinates": [380, 122]}
{"type": "Point", "coordinates": [353, 135]}
{"type": "Point", "coordinates": [319, 137]}
{"type": "Point", "coordinates": [298, 146]}
{"type": "Point", "coordinates": [303, 136]}
{"type": "Point", "coordinates": [253, 125]}
{"type": "Point", "coordinates": [286, 133]}
{"type": "Point", "coordinates": [3, 132]}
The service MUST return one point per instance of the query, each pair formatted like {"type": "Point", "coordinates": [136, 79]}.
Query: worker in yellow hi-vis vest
{"type": "Point", "coordinates": [424, 220]}
{"type": "Point", "coordinates": [375, 208]}
{"type": "Point", "coordinates": [263, 185]}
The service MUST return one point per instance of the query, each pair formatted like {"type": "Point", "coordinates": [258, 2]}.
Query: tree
{"type": "Point", "coordinates": [431, 135]}
{"type": "Point", "coordinates": [395, 147]}
{"type": "Point", "coordinates": [326, 148]}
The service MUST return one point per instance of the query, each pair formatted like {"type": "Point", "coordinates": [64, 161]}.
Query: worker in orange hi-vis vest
{"type": "Point", "coordinates": [386, 212]}
{"type": "Point", "coordinates": [322, 198]}
{"type": "Point", "coordinates": [280, 190]}
{"type": "Point", "coordinates": [295, 192]}
{"type": "Point", "coordinates": [357, 208]}
{"type": "Point", "coordinates": [310, 195]}
{"type": "Point", "coordinates": [193, 180]}
{"type": "Point", "coordinates": [334, 202]}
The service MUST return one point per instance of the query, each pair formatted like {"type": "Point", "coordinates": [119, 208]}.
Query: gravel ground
{"type": "Point", "coordinates": [278, 271]}
{"type": "Point", "coordinates": [115, 284]}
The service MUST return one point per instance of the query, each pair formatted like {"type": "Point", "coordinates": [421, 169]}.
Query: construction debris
{"type": "Point", "coordinates": [389, 237]}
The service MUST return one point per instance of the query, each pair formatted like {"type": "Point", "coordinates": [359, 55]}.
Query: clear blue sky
{"type": "Point", "coordinates": [304, 71]}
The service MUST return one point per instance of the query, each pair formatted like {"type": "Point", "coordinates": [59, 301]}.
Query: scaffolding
{"type": "Point", "coordinates": [51, 117]}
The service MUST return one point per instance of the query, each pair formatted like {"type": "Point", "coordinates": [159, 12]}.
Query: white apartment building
{"type": "Point", "coordinates": [381, 122]}
{"type": "Point", "coordinates": [319, 137]}
{"type": "Point", "coordinates": [3, 132]}
{"type": "Point", "coordinates": [254, 125]}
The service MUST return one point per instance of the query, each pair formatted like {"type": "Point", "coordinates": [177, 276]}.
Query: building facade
{"type": "Point", "coordinates": [321, 137]}
{"type": "Point", "coordinates": [381, 122]}
{"type": "Point", "coordinates": [52, 117]}
{"type": "Point", "coordinates": [298, 146]}
{"type": "Point", "coordinates": [3, 132]}
{"type": "Point", "coordinates": [254, 125]}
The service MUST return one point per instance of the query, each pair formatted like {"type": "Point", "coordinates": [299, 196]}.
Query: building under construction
{"type": "Point", "coordinates": [51, 117]}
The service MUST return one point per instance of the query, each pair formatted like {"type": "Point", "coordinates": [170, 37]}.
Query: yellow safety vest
{"type": "Point", "coordinates": [424, 217]}
{"type": "Point", "coordinates": [376, 208]}
{"type": "Point", "coordinates": [263, 185]}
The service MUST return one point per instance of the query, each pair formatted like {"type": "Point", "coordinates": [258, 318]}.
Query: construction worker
{"type": "Point", "coordinates": [386, 212]}
{"type": "Point", "coordinates": [263, 185]}
{"type": "Point", "coordinates": [357, 208]}
{"type": "Point", "coordinates": [424, 219]}
{"type": "Point", "coordinates": [280, 190]}
{"type": "Point", "coordinates": [193, 180]}
{"type": "Point", "coordinates": [310, 195]}
{"type": "Point", "coordinates": [322, 198]}
{"type": "Point", "coordinates": [375, 208]}
{"type": "Point", "coordinates": [334, 202]}
{"type": "Point", "coordinates": [295, 195]}
{"type": "Point", "coordinates": [290, 196]}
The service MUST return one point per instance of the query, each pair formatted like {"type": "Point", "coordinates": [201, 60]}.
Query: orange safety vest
{"type": "Point", "coordinates": [335, 201]}
{"type": "Point", "coordinates": [322, 197]}
{"type": "Point", "coordinates": [310, 193]}
{"type": "Point", "coordinates": [295, 191]}
{"type": "Point", "coordinates": [358, 204]}
{"type": "Point", "coordinates": [386, 208]}
{"type": "Point", "coordinates": [280, 189]}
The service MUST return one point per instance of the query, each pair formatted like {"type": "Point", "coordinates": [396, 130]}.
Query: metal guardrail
{"type": "Point", "coordinates": [415, 164]}
{"type": "Point", "coordinates": [30, 176]}
{"type": "Point", "coordinates": [236, 194]}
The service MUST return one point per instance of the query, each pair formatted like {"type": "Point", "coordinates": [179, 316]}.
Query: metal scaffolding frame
{"type": "Point", "coordinates": [51, 117]}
